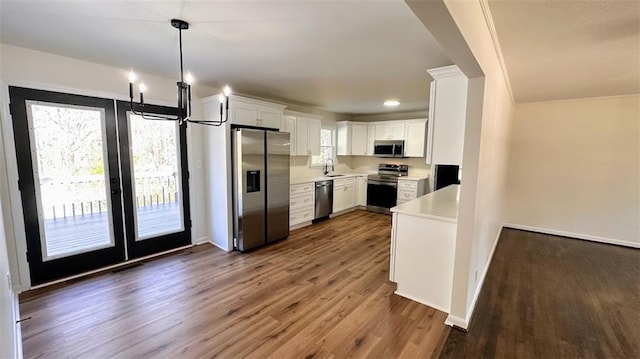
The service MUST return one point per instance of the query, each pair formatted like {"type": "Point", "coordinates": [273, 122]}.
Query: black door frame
{"type": "Point", "coordinates": [137, 249]}
{"type": "Point", "coordinates": [45, 271]}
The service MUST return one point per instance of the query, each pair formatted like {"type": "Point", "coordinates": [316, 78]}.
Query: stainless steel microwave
{"type": "Point", "coordinates": [388, 148]}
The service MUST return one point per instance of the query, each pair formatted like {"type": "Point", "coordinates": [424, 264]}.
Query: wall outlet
{"type": "Point", "coordinates": [476, 275]}
{"type": "Point", "coordinates": [9, 281]}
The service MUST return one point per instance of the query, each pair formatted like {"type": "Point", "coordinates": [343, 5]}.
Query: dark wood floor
{"type": "Point", "coordinates": [324, 292]}
{"type": "Point", "coordinates": [553, 297]}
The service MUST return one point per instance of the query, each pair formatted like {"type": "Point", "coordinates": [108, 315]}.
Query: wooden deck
{"type": "Point", "coordinates": [91, 231]}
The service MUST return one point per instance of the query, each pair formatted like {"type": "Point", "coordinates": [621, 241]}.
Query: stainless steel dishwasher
{"type": "Point", "coordinates": [324, 199]}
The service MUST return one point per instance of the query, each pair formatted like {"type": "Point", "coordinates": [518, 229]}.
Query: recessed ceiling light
{"type": "Point", "coordinates": [391, 103]}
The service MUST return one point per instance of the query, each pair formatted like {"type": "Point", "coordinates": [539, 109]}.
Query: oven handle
{"type": "Point", "coordinates": [390, 184]}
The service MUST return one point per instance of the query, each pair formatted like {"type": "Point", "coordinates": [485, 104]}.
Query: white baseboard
{"type": "Point", "coordinates": [201, 240]}
{"type": "Point", "coordinates": [586, 237]}
{"type": "Point", "coordinates": [457, 321]}
{"type": "Point", "coordinates": [218, 246]}
{"type": "Point", "coordinates": [446, 310]}
{"type": "Point", "coordinates": [464, 323]}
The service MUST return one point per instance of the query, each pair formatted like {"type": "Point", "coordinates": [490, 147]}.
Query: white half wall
{"type": "Point", "coordinates": [40, 70]}
{"type": "Point", "coordinates": [575, 169]}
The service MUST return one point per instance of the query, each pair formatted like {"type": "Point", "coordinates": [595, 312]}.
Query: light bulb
{"type": "Point", "coordinates": [221, 97]}
{"type": "Point", "coordinates": [132, 76]}
{"type": "Point", "coordinates": [189, 78]}
{"type": "Point", "coordinates": [227, 90]}
{"type": "Point", "coordinates": [143, 88]}
{"type": "Point", "coordinates": [392, 103]}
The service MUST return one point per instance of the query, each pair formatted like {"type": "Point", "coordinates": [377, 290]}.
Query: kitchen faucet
{"type": "Point", "coordinates": [325, 169]}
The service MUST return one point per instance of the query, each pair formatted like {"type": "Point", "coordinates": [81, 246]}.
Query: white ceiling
{"type": "Point", "coordinates": [341, 56]}
{"type": "Point", "coordinates": [569, 49]}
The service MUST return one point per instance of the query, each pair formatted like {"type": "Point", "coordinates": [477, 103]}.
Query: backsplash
{"type": "Point", "coordinates": [417, 166]}
{"type": "Point", "coordinates": [299, 165]}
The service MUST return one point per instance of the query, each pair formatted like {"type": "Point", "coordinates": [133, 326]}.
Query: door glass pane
{"type": "Point", "coordinates": [70, 174]}
{"type": "Point", "coordinates": [155, 168]}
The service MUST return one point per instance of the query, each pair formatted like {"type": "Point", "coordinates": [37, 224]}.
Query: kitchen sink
{"type": "Point", "coordinates": [334, 175]}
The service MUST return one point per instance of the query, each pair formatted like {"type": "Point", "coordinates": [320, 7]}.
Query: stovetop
{"type": "Point", "coordinates": [389, 172]}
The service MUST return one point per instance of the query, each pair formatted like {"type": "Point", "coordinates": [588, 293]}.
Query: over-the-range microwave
{"type": "Point", "coordinates": [388, 148]}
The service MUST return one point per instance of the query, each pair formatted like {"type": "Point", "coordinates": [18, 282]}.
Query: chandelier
{"type": "Point", "coordinates": [184, 94]}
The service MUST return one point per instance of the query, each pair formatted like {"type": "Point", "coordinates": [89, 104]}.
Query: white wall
{"type": "Point", "coordinates": [9, 336]}
{"type": "Point", "coordinates": [575, 168]}
{"type": "Point", "coordinates": [462, 29]}
{"type": "Point", "coordinates": [40, 70]}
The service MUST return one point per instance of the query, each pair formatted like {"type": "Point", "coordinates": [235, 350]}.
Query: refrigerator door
{"type": "Point", "coordinates": [277, 185]}
{"type": "Point", "coordinates": [249, 188]}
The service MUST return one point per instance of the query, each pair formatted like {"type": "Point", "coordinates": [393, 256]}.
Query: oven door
{"type": "Point", "coordinates": [381, 194]}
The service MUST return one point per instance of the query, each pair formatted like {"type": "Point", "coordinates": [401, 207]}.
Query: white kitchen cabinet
{"type": "Point", "coordinates": [409, 189]}
{"type": "Point", "coordinates": [390, 131]}
{"type": "Point", "coordinates": [305, 134]}
{"type": "Point", "coordinates": [351, 139]}
{"type": "Point", "coordinates": [343, 137]}
{"type": "Point", "coordinates": [359, 139]}
{"type": "Point", "coordinates": [290, 126]}
{"type": "Point", "coordinates": [301, 203]}
{"type": "Point", "coordinates": [361, 191]}
{"type": "Point", "coordinates": [371, 138]}
{"type": "Point", "coordinates": [414, 138]}
{"type": "Point", "coordinates": [447, 116]}
{"type": "Point", "coordinates": [250, 112]}
{"type": "Point", "coordinates": [344, 194]}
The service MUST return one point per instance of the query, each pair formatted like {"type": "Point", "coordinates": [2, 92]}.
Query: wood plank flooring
{"type": "Point", "coordinates": [553, 297]}
{"type": "Point", "coordinates": [324, 292]}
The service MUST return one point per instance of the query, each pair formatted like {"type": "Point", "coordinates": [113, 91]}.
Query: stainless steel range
{"type": "Point", "coordinates": [382, 188]}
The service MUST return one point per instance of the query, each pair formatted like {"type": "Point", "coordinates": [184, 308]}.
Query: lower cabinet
{"type": "Point", "coordinates": [361, 191]}
{"type": "Point", "coordinates": [301, 203]}
{"type": "Point", "coordinates": [344, 194]}
{"type": "Point", "coordinates": [410, 189]}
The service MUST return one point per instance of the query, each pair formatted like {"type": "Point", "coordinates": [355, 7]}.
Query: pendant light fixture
{"type": "Point", "coordinates": [184, 93]}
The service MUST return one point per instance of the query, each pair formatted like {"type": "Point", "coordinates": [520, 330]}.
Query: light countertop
{"type": "Point", "coordinates": [441, 205]}
{"type": "Point", "coordinates": [413, 178]}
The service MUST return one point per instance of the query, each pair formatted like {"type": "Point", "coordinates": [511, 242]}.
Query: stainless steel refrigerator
{"type": "Point", "coordinates": [260, 187]}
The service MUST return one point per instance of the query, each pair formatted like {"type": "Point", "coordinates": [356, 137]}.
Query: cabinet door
{"type": "Point", "coordinates": [350, 196]}
{"type": "Point", "coordinates": [396, 132]}
{"type": "Point", "coordinates": [314, 137]}
{"type": "Point", "coordinates": [302, 136]}
{"type": "Point", "coordinates": [358, 140]}
{"type": "Point", "coordinates": [371, 137]}
{"type": "Point", "coordinates": [383, 132]}
{"type": "Point", "coordinates": [269, 117]}
{"type": "Point", "coordinates": [338, 198]}
{"type": "Point", "coordinates": [244, 114]}
{"type": "Point", "coordinates": [343, 147]}
{"type": "Point", "coordinates": [290, 126]}
{"type": "Point", "coordinates": [414, 139]}
{"type": "Point", "coordinates": [361, 191]}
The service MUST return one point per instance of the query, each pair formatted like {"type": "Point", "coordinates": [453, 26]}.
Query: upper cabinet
{"type": "Point", "coordinates": [351, 138]}
{"type": "Point", "coordinates": [447, 115]}
{"type": "Point", "coordinates": [305, 133]}
{"type": "Point", "coordinates": [357, 138]}
{"type": "Point", "coordinates": [250, 112]}
{"type": "Point", "coordinates": [414, 138]}
{"type": "Point", "coordinates": [390, 131]}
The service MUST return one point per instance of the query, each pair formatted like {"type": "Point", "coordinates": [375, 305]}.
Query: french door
{"type": "Point", "coordinates": [73, 165]}
{"type": "Point", "coordinates": [154, 167]}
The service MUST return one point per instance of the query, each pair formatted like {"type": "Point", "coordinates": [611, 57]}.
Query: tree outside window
{"type": "Point", "coordinates": [327, 147]}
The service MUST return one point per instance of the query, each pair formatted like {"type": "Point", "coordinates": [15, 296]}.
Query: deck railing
{"type": "Point", "coordinates": [85, 195]}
